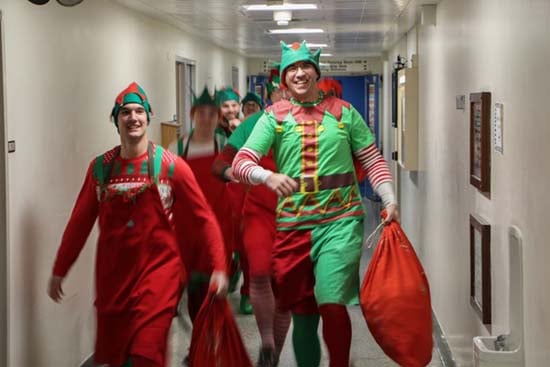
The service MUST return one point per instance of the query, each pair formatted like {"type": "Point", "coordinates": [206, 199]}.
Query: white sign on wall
{"type": "Point", "coordinates": [334, 66]}
{"type": "Point", "coordinates": [344, 66]}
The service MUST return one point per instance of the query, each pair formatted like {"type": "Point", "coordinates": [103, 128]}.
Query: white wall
{"type": "Point", "coordinates": [500, 46]}
{"type": "Point", "coordinates": [63, 69]}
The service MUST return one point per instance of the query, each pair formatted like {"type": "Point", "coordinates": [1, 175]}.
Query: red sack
{"type": "Point", "coordinates": [216, 340]}
{"type": "Point", "coordinates": [395, 300]}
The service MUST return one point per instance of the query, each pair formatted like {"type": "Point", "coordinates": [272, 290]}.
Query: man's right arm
{"type": "Point", "coordinates": [222, 164]}
{"type": "Point", "coordinates": [76, 233]}
{"type": "Point", "coordinates": [246, 166]}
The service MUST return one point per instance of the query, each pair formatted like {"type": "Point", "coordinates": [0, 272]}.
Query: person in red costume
{"type": "Point", "coordinates": [331, 87]}
{"type": "Point", "coordinates": [146, 200]}
{"type": "Point", "coordinates": [258, 237]}
{"type": "Point", "coordinates": [199, 149]}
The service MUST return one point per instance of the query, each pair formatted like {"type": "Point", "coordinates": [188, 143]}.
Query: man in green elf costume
{"type": "Point", "coordinates": [319, 213]}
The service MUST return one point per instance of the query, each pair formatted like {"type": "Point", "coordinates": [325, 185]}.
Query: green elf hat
{"type": "Point", "coordinates": [227, 94]}
{"type": "Point", "coordinates": [205, 99]}
{"type": "Point", "coordinates": [295, 52]}
{"type": "Point", "coordinates": [250, 96]}
{"type": "Point", "coordinates": [132, 94]}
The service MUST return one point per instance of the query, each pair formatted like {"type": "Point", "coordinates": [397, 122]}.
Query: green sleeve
{"type": "Point", "coordinates": [242, 132]}
{"type": "Point", "coordinates": [263, 135]}
{"type": "Point", "coordinates": [360, 134]}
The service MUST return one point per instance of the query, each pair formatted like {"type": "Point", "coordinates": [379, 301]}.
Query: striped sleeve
{"type": "Point", "coordinates": [246, 168]}
{"type": "Point", "coordinates": [374, 164]}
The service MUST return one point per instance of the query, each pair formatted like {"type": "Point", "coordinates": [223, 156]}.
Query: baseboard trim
{"type": "Point", "coordinates": [441, 344]}
{"type": "Point", "coordinates": [88, 362]}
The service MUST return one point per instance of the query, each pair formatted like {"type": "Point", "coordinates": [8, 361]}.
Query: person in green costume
{"type": "Point", "coordinates": [319, 215]}
{"type": "Point", "coordinates": [258, 238]}
{"type": "Point", "coordinates": [228, 100]}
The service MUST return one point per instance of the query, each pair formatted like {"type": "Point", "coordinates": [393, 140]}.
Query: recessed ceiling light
{"type": "Point", "coordinates": [295, 30]}
{"type": "Point", "coordinates": [280, 7]}
{"type": "Point", "coordinates": [326, 55]}
{"type": "Point", "coordinates": [316, 45]}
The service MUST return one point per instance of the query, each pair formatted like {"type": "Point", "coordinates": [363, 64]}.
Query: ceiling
{"type": "Point", "coordinates": [351, 27]}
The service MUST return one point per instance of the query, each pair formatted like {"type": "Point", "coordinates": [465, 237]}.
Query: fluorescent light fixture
{"type": "Point", "coordinates": [296, 30]}
{"type": "Point", "coordinates": [316, 45]}
{"type": "Point", "coordinates": [282, 17]}
{"type": "Point", "coordinates": [326, 55]}
{"type": "Point", "coordinates": [280, 7]}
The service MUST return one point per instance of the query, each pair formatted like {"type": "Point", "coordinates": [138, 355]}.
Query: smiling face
{"type": "Point", "coordinates": [132, 122]}
{"type": "Point", "coordinates": [301, 80]}
{"type": "Point", "coordinates": [230, 110]}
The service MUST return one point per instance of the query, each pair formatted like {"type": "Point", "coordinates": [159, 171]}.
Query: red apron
{"type": "Point", "coordinates": [198, 259]}
{"type": "Point", "coordinates": [139, 275]}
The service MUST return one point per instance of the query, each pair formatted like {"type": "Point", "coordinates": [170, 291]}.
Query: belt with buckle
{"type": "Point", "coordinates": [310, 183]}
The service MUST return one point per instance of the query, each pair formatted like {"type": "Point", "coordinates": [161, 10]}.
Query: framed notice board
{"type": "Point", "coordinates": [480, 141]}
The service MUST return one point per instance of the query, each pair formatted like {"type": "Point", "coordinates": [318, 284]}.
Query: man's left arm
{"type": "Point", "coordinates": [378, 173]}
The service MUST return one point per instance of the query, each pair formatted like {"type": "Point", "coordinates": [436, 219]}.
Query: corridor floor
{"type": "Point", "coordinates": [364, 350]}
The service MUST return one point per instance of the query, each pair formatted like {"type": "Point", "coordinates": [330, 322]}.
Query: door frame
{"type": "Point", "coordinates": [185, 87]}
{"type": "Point", "coordinates": [4, 269]}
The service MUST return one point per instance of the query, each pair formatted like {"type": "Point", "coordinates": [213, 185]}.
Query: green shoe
{"type": "Point", "coordinates": [245, 307]}
{"type": "Point", "coordinates": [235, 272]}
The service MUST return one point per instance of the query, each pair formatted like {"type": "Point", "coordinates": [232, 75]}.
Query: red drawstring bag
{"type": "Point", "coordinates": [395, 300]}
{"type": "Point", "coordinates": [216, 340]}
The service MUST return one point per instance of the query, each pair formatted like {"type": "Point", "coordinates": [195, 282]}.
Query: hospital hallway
{"type": "Point", "coordinates": [443, 105]}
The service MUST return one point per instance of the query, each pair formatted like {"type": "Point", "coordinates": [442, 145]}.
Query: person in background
{"type": "Point", "coordinates": [330, 87]}
{"type": "Point", "coordinates": [251, 103]}
{"type": "Point", "coordinates": [319, 215]}
{"type": "Point", "coordinates": [228, 101]}
{"type": "Point", "coordinates": [146, 200]}
{"type": "Point", "coordinates": [199, 150]}
{"type": "Point", "coordinates": [258, 237]}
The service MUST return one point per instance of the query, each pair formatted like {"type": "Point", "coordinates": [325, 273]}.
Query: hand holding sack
{"type": "Point", "coordinates": [395, 300]}
{"type": "Point", "coordinates": [216, 340]}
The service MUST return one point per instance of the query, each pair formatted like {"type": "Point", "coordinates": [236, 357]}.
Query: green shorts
{"type": "Point", "coordinates": [322, 262]}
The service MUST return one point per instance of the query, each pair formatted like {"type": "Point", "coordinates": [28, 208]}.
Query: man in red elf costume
{"type": "Point", "coordinates": [199, 149]}
{"type": "Point", "coordinates": [228, 101]}
{"type": "Point", "coordinates": [258, 237]}
{"type": "Point", "coordinates": [146, 200]}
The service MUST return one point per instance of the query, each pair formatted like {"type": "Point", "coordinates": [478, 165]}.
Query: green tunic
{"type": "Point", "coordinates": [310, 141]}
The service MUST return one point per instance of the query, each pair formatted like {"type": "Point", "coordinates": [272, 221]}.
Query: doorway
{"type": "Point", "coordinates": [185, 87]}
